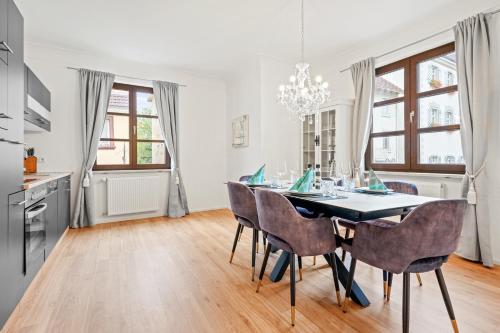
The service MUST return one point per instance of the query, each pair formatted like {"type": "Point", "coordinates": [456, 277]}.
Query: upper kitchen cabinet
{"type": "Point", "coordinates": [37, 112]}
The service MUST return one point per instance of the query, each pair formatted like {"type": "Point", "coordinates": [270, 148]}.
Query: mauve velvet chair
{"type": "Point", "coordinates": [421, 243]}
{"type": "Point", "coordinates": [399, 187]}
{"type": "Point", "coordinates": [244, 179]}
{"type": "Point", "coordinates": [242, 201]}
{"type": "Point", "coordinates": [289, 231]}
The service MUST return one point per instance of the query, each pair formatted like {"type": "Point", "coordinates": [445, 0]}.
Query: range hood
{"type": "Point", "coordinates": [37, 103]}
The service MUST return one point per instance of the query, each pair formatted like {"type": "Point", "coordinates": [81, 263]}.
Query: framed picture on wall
{"type": "Point", "coordinates": [240, 132]}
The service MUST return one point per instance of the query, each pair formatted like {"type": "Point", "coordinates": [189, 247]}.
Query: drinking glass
{"type": "Point", "coordinates": [334, 173]}
{"type": "Point", "coordinates": [346, 174]}
{"type": "Point", "coordinates": [282, 171]}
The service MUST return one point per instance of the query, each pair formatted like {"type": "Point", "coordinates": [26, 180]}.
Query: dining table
{"type": "Point", "coordinates": [353, 206]}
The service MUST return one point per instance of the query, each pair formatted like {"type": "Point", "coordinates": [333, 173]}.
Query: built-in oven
{"type": "Point", "coordinates": [35, 224]}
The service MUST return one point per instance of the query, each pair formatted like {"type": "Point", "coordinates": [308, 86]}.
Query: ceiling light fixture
{"type": "Point", "coordinates": [301, 96]}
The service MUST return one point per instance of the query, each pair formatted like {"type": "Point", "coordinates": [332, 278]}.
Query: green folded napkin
{"type": "Point", "coordinates": [304, 183]}
{"type": "Point", "coordinates": [374, 183]}
{"type": "Point", "coordinates": [258, 177]}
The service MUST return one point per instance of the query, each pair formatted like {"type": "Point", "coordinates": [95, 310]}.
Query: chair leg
{"type": "Point", "coordinates": [384, 275]}
{"type": "Point", "coordinates": [406, 302]}
{"type": "Point", "coordinates": [347, 233]}
{"type": "Point", "coordinates": [299, 259]}
{"type": "Point", "coordinates": [348, 286]}
{"type": "Point", "coordinates": [238, 230]}
{"type": "Point", "coordinates": [314, 260]}
{"type": "Point", "coordinates": [241, 233]}
{"type": "Point", "coordinates": [292, 287]}
{"type": "Point", "coordinates": [419, 279]}
{"type": "Point", "coordinates": [446, 298]}
{"type": "Point", "coordinates": [254, 243]}
{"type": "Point", "coordinates": [335, 277]}
{"type": "Point", "coordinates": [389, 286]}
{"type": "Point", "coordinates": [257, 241]}
{"type": "Point", "coordinates": [263, 268]}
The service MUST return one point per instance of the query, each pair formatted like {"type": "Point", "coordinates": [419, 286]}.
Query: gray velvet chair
{"type": "Point", "coordinates": [421, 243]}
{"type": "Point", "coordinates": [244, 179]}
{"type": "Point", "coordinates": [289, 231]}
{"type": "Point", "coordinates": [242, 201]}
{"type": "Point", "coordinates": [399, 187]}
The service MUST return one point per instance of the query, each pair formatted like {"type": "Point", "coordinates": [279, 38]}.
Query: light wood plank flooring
{"type": "Point", "coordinates": [165, 275]}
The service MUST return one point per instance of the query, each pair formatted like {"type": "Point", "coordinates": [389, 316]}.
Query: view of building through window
{"type": "Point", "coordinates": [131, 137]}
{"type": "Point", "coordinates": [416, 118]}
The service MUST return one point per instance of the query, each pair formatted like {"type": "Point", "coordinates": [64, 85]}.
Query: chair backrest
{"type": "Point", "coordinates": [402, 187]}
{"type": "Point", "coordinates": [278, 217]}
{"type": "Point", "coordinates": [245, 178]}
{"type": "Point", "coordinates": [430, 230]}
{"type": "Point", "coordinates": [242, 201]}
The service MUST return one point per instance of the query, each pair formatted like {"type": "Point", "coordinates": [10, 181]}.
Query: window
{"type": "Point", "coordinates": [416, 119]}
{"type": "Point", "coordinates": [131, 137]}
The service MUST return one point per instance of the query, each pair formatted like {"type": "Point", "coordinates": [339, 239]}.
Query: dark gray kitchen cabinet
{"type": "Point", "coordinates": [63, 204]}
{"type": "Point", "coordinates": [51, 214]}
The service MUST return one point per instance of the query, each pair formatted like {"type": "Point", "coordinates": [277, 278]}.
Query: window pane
{"type": "Point", "coordinates": [145, 104]}
{"type": "Point", "coordinates": [389, 118]}
{"type": "Point", "coordinates": [390, 85]}
{"type": "Point", "coordinates": [151, 153]}
{"type": "Point", "coordinates": [113, 153]}
{"type": "Point", "coordinates": [118, 101]}
{"type": "Point", "coordinates": [440, 148]}
{"type": "Point", "coordinates": [437, 73]}
{"type": "Point", "coordinates": [148, 129]}
{"type": "Point", "coordinates": [439, 110]}
{"type": "Point", "coordinates": [389, 149]}
{"type": "Point", "coordinates": [115, 127]}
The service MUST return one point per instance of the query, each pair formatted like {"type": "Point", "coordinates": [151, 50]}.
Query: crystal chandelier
{"type": "Point", "coordinates": [301, 96]}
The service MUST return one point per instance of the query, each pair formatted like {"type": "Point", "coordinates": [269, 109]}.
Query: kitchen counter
{"type": "Point", "coordinates": [34, 179]}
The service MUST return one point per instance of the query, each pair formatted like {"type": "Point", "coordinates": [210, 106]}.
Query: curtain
{"type": "Point", "coordinates": [363, 77]}
{"type": "Point", "coordinates": [95, 91]}
{"type": "Point", "coordinates": [167, 100]}
{"type": "Point", "coordinates": [472, 39]}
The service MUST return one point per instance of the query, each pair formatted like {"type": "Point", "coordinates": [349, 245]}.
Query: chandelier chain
{"type": "Point", "coordinates": [302, 31]}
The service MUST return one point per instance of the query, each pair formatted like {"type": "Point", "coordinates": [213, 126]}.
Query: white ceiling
{"type": "Point", "coordinates": [215, 36]}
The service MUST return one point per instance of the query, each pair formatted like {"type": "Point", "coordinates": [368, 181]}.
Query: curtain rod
{"type": "Point", "coordinates": [129, 77]}
{"type": "Point", "coordinates": [418, 41]}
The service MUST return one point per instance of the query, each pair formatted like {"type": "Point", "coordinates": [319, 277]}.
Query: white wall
{"type": "Point", "coordinates": [202, 120]}
{"type": "Point", "coordinates": [273, 137]}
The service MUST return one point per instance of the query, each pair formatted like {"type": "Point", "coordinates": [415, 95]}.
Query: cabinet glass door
{"type": "Point", "coordinates": [327, 129]}
{"type": "Point", "coordinates": [308, 143]}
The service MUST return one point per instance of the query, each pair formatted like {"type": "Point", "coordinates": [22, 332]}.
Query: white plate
{"type": "Point", "coordinates": [368, 190]}
{"type": "Point", "coordinates": [314, 193]}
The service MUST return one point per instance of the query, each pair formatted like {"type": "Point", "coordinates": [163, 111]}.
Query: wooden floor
{"type": "Point", "coordinates": [163, 275]}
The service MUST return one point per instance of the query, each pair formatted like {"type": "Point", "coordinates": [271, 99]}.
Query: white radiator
{"type": "Point", "coordinates": [128, 195]}
{"type": "Point", "coordinates": [428, 189]}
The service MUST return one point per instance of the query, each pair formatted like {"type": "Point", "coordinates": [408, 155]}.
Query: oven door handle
{"type": "Point", "coordinates": [35, 211]}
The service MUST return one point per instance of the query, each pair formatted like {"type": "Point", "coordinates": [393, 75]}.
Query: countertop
{"type": "Point", "coordinates": [34, 179]}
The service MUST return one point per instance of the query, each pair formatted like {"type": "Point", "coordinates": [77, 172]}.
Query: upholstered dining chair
{"type": "Point", "coordinates": [399, 187]}
{"type": "Point", "coordinates": [242, 201]}
{"type": "Point", "coordinates": [421, 243]}
{"type": "Point", "coordinates": [244, 179]}
{"type": "Point", "coordinates": [289, 231]}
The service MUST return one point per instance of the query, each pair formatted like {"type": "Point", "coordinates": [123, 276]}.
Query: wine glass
{"type": "Point", "coordinates": [334, 173]}
{"type": "Point", "coordinates": [282, 171]}
{"type": "Point", "coordinates": [346, 170]}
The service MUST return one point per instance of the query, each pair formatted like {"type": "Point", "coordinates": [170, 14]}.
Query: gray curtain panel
{"type": "Point", "coordinates": [472, 38]}
{"type": "Point", "coordinates": [167, 105]}
{"type": "Point", "coordinates": [95, 91]}
{"type": "Point", "coordinates": [363, 77]}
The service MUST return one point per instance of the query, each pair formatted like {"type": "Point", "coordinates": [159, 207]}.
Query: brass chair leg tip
{"type": "Point", "coordinates": [339, 302]}
{"type": "Point", "coordinates": [293, 315]}
{"type": "Point", "coordinates": [344, 305]}
{"type": "Point", "coordinates": [231, 259]}
{"type": "Point", "coordinates": [455, 325]}
{"type": "Point", "coordinates": [258, 286]}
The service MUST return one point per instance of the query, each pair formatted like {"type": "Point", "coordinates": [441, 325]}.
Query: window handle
{"type": "Point", "coordinates": [412, 114]}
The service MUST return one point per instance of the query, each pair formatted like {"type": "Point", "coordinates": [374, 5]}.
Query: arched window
{"type": "Point", "coordinates": [434, 115]}
{"type": "Point", "coordinates": [449, 116]}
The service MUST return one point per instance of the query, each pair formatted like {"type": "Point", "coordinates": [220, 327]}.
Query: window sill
{"type": "Point", "coordinates": [104, 172]}
{"type": "Point", "coordinates": [421, 174]}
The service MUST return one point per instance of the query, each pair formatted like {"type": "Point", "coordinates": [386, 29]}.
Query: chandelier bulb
{"type": "Point", "coordinates": [319, 79]}
{"type": "Point", "coordinates": [293, 78]}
